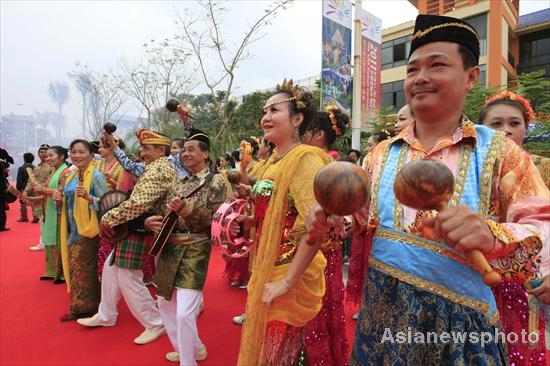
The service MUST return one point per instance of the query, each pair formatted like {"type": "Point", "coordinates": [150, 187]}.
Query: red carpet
{"type": "Point", "coordinates": [31, 334]}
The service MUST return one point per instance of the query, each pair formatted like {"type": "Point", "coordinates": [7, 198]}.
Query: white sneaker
{"type": "Point", "coordinates": [201, 355]}
{"type": "Point", "coordinates": [355, 316]}
{"type": "Point", "coordinates": [173, 356]}
{"type": "Point", "coordinates": [39, 246]}
{"type": "Point", "coordinates": [149, 335]}
{"type": "Point", "coordinates": [94, 321]}
{"type": "Point", "coordinates": [239, 319]}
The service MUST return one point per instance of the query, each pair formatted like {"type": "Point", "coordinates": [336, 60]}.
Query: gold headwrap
{"type": "Point", "coordinates": [147, 137]}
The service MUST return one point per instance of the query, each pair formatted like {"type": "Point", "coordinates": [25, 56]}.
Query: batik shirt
{"type": "Point", "coordinates": [186, 265]}
{"type": "Point", "coordinates": [150, 190]}
{"type": "Point", "coordinates": [136, 168]}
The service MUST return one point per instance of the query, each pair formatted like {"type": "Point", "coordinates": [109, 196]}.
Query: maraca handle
{"type": "Point", "coordinates": [478, 260]}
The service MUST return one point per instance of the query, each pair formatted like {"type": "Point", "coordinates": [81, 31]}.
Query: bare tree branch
{"type": "Point", "coordinates": [228, 60]}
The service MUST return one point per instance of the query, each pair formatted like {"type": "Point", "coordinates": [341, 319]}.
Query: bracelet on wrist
{"type": "Point", "coordinates": [285, 284]}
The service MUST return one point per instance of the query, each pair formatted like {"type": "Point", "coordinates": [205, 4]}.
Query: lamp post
{"type": "Point", "coordinates": [356, 104]}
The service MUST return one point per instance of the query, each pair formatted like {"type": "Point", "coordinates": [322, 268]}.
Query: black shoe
{"type": "Point", "coordinates": [46, 278]}
{"type": "Point", "coordinates": [23, 220]}
{"type": "Point", "coordinates": [58, 281]}
{"type": "Point", "coordinates": [4, 229]}
{"type": "Point", "coordinates": [35, 220]}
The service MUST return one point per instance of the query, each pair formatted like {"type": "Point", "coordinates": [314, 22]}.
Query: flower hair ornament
{"type": "Point", "coordinates": [256, 140]}
{"type": "Point", "coordinates": [294, 90]}
{"type": "Point", "coordinates": [330, 110]}
{"type": "Point", "coordinates": [385, 132]}
{"type": "Point", "coordinates": [515, 97]}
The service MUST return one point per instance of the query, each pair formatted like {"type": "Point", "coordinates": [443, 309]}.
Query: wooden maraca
{"type": "Point", "coordinates": [172, 105]}
{"type": "Point", "coordinates": [234, 176]}
{"type": "Point", "coordinates": [109, 128]}
{"type": "Point", "coordinates": [428, 185]}
{"type": "Point", "coordinates": [341, 188]}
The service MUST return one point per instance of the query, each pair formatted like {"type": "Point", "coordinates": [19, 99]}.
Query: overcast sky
{"type": "Point", "coordinates": [42, 40]}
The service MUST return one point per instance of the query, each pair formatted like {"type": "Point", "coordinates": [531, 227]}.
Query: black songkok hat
{"type": "Point", "coordinates": [436, 28]}
{"type": "Point", "coordinates": [198, 135]}
{"type": "Point", "coordinates": [44, 147]}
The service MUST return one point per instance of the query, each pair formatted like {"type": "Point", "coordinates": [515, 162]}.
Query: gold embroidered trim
{"type": "Point", "coordinates": [376, 186]}
{"type": "Point", "coordinates": [397, 206]}
{"type": "Point", "coordinates": [421, 34]}
{"type": "Point", "coordinates": [423, 243]}
{"type": "Point", "coordinates": [434, 288]}
{"type": "Point", "coordinates": [461, 174]}
{"type": "Point", "coordinates": [494, 318]}
{"type": "Point", "coordinates": [487, 173]}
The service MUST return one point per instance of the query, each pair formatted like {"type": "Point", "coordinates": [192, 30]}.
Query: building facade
{"type": "Point", "coordinates": [502, 34]}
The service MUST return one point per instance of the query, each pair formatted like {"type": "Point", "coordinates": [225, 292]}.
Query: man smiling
{"type": "Point", "coordinates": [183, 263]}
{"type": "Point", "coordinates": [420, 285]}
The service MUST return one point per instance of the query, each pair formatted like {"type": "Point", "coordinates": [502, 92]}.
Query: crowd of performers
{"type": "Point", "coordinates": [407, 269]}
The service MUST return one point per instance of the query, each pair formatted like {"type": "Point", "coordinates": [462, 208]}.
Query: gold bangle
{"type": "Point", "coordinates": [285, 284]}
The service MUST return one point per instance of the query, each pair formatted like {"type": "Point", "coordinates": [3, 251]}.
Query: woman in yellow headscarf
{"type": "Point", "coordinates": [79, 231]}
{"type": "Point", "coordinates": [287, 285]}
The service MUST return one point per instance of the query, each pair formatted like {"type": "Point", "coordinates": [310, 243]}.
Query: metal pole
{"type": "Point", "coordinates": [356, 102]}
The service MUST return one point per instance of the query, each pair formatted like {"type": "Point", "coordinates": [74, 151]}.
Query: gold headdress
{"type": "Point", "coordinates": [294, 90]}
{"type": "Point", "coordinates": [147, 137]}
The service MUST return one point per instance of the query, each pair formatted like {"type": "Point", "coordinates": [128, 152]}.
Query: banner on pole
{"type": "Point", "coordinates": [371, 65]}
{"type": "Point", "coordinates": [336, 88]}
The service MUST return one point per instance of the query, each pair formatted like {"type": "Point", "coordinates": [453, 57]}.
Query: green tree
{"type": "Point", "coordinates": [534, 86]}
{"type": "Point", "coordinates": [475, 101]}
{"type": "Point", "coordinates": [247, 118]}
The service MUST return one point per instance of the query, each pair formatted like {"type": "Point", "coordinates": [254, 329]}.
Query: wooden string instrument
{"type": "Point", "coordinates": [428, 185]}
{"type": "Point", "coordinates": [171, 219]}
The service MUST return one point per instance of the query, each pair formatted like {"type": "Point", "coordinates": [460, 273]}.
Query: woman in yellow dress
{"type": "Point", "coordinates": [287, 285]}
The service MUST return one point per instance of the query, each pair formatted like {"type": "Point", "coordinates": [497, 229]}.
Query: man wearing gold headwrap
{"type": "Point", "coordinates": [183, 263]}
{"type": "Point", "coordinates": [122, 273]}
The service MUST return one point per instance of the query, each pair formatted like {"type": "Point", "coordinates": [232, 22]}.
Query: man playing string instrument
{"type": "Point", "coordinates": [183, 263]}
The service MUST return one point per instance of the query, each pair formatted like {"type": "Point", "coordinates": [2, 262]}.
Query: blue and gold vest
{"type": "Point", "coordinates": [430, 265]}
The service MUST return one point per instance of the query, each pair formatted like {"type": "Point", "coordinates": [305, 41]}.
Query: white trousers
{"type": "Point", "coordinates": [117, 282]}
{"type": "Point", "coordinates": [180, 320]}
